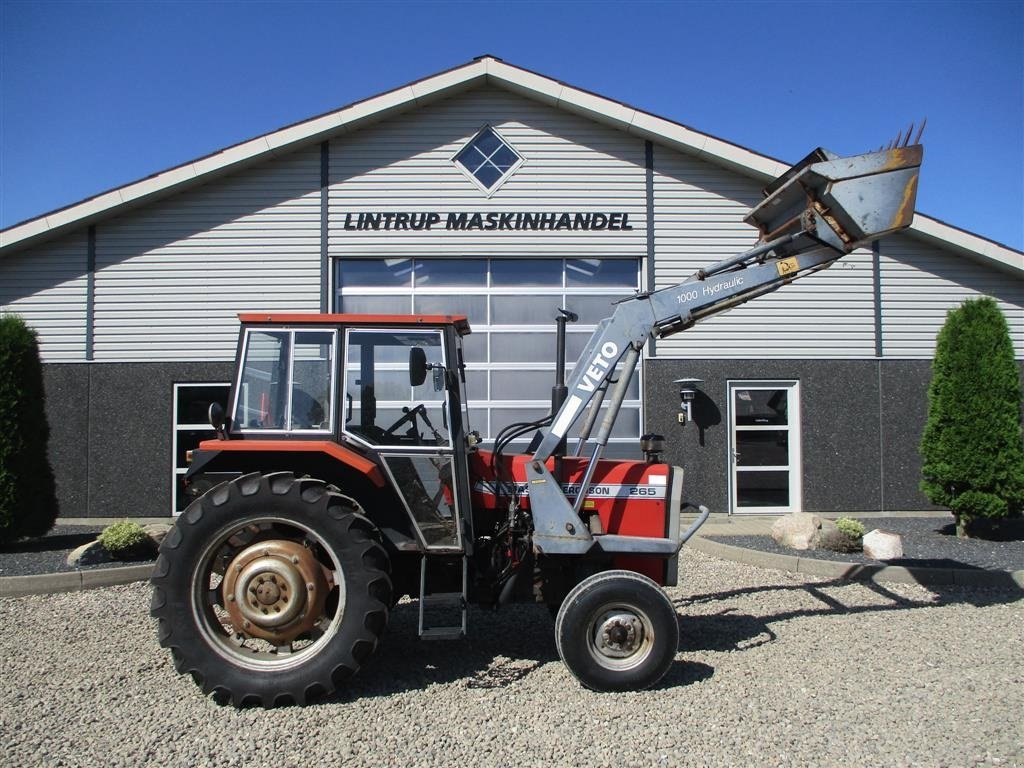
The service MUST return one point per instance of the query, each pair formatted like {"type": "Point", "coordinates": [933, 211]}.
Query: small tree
{"type": "Point", "coordinates": [971, 447]}
{"type": "Point", "coordinates": [28, 500]}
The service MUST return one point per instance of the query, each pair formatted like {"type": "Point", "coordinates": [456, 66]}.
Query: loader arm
{"type": "Point", "coordinates": [821, 209]}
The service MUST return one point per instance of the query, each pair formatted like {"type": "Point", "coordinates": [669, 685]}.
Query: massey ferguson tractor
{"type": "Point", "coordinates": [345, 475]}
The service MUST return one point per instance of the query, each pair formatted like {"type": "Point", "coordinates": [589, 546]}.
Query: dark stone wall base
{"type": "Point", "coordinates": [861, 425]}
{"type": "Point", "coordinates": [111, 428]}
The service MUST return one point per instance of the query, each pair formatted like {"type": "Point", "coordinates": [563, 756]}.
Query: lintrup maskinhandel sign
{"type": "Point", "coordinates": [493, 220]}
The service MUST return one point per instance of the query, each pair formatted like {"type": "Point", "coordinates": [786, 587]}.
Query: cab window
{"type": "Point", "coordinates": [286, 382]}
{"type": "Point", "coordinates": [384, 405]}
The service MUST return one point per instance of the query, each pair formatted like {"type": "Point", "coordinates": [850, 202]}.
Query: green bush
{"type": "Point", "coordinates": [850, 527]}
{"type": "Point", "coordinates": [122, 537]}
{"type": "Point", "coordinates": [847, 537]}
{"type": "Point", "coordinates": [972, 450]}
{"type": "Point", "coordinates": [28, 497]}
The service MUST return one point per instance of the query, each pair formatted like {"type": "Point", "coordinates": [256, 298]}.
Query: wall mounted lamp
{"type": "Point", "coordinates": [687, 392]}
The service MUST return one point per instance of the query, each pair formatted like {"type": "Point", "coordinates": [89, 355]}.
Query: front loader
{"type": "Point", "coordinates": [345, 475]}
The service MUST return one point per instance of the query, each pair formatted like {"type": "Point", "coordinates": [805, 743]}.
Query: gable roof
{"type": "Point", "coordinates": [482, 70]}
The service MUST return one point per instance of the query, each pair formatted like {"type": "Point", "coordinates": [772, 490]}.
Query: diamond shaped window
{"type": "Point", "coordinates": [488, 159]}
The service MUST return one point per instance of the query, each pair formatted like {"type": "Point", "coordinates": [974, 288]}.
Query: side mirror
{"type": "Point", "coordinates": [417, 366]}
{"type": "Point", "coordinates": [216, 416]}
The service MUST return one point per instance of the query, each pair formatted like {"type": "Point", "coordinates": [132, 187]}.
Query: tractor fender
{"type": "Point", "coordinates": [210, 449]}
{"type": "Point", "coordinates": [358, 479]}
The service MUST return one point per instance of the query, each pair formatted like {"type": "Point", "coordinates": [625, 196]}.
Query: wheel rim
{"type": "Point", "coordinates": [620, 636]}
{"type": "Point", "coordinates": [268, 594]}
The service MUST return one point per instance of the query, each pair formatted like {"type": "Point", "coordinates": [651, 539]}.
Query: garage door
{"type": "Point", "coordinates": [511, 305]}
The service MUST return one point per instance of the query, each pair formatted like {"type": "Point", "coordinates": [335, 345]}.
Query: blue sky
{"type": "Point", "coordinates": [94, 95]}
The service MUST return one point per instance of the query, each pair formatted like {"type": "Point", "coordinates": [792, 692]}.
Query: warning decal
{"type": "Point", "coordinates": [787, 266]}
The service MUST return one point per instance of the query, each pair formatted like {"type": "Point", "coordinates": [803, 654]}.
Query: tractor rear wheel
{"type": "Point", "coordinates": [617, 631]}
{"type": "Point", "coordinates": [271, 590]}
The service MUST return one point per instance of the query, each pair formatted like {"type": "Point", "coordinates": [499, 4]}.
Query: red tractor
{"type": "Point", "coordinates": [346, 475]}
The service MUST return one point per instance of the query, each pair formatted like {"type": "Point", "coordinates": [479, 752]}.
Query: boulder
{"type": "Point", "coordinates": [157, 531]}
{"type": "Point", "coordinates": [802, 530]}
{"type": "Point", "coordinates": [92, 553]}
{"type": "Point", "coordinates": [883, 545]}
{"type": "Point", "coordinates": [831, 538]}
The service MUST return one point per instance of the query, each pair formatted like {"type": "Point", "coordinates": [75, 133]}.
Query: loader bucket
{"type": "Point", "coordinates": [840, 202]}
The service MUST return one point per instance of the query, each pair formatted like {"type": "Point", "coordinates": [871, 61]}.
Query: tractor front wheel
{"type": "Point", "coordinates": [271, 590]}
{"type": "Point", "coordinates": [617, 631]}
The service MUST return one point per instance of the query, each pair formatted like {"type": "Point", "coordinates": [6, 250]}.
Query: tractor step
{"type": "Point", "coordinates": [445, 607]}
{"type": "Point", "coordinates": [442, 633]}
{"type": "Point", "coordinates": [444, 598]}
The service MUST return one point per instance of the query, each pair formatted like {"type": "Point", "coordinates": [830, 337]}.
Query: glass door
{"type": "Point", "coordinates": [764, 447]}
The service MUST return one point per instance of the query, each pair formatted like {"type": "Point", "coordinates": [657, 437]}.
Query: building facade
{"type": "Point", "coordinates": [503, 195]}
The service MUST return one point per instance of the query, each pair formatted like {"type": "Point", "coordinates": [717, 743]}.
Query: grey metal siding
{"type": "Point", "coordinates": [404, 165]}
{"type": "Point", "coordinates": [698, 220]}
{"type": "Point", "coordinates": [47, 286]}
{"type": "Point", "coordinates": [172, 277]}
{"type": "Point", "coordinates": [920, 284]}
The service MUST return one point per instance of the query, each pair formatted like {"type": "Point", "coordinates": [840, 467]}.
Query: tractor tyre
{"type": "Point", "coordinates": [617, 631]}
{"type": "Point", "coordinates": [271, 590]}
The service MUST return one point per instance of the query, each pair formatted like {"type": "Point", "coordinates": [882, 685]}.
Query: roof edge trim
{"type": "Point", "coordinates": [932, 230]}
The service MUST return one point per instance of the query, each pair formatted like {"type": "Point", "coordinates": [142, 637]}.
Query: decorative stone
{"type": "Point", "coordinates": [156, 532]}
{"type": "Point", "coordinates": [883, 545]}
{"type": "Point", "coordinates": [92, 553]}
{"type": "Point", "coordinates": [802, 530]}
{"type": "Point", "coordinates": [830, 537]}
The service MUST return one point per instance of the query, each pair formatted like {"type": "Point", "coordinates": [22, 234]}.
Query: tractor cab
{"type": "Point", "coordinates": [383, 393]}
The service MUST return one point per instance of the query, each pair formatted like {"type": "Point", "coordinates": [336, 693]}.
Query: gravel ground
{"type": "Point", "coordinates": [49, 554]}
{"type": "Point", "coordinates": [775, 669]}
{"type": "Point", "coordinates": [928, 542]}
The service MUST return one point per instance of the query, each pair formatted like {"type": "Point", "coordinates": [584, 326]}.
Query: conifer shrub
{"type": "Point", "coordinates": [28, 497]}
{"type": "Point", "coordinates": [972, 450]}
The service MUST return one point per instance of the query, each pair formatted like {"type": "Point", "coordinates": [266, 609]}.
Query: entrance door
{"type": "Point", "coordinates": [764, 447]}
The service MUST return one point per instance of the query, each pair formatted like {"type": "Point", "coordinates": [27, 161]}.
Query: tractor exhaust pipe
{"type": "Point", "coordinates": [559, 392]}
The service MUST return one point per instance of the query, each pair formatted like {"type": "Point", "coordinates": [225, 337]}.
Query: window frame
{"type": "Point", "coordinates": [176, 427]}
{"type": "Point", "coordinates": [488, 191]}
{"type": "Point", "coordinates": [287, 429]}
{"type": "Point", "coordinates": [392, 448]}
{"type": "Point", "coordinates": [388, 457]}
{"type": "Point", "coordinates": [794, 430]}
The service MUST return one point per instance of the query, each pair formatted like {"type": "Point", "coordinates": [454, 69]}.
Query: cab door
{"type": "Point", "coordinates": [408, 425]}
